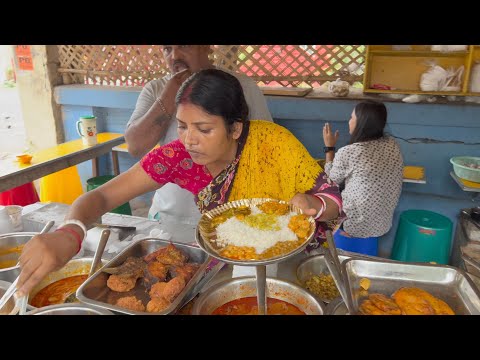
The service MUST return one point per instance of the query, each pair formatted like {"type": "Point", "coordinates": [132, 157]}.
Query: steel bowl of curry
{"type": "Point", "coordinates": [56, 287]}
{"type": "Point", "coordinates": [9, 307]}
{"type": "Point", "coordinates": [253, 232]}
{"type": "Point", "coordinates": [70, 309]}
{"type": "Point", "coordinates": [11, 245]}
{"type": "Point", "coordinates": [237, 296]}
{"type": "Point", "coordinates": [313, 275]}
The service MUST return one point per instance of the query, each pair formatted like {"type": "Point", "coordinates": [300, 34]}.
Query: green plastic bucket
{"type": "Point", "coordinates": [97, 181]}
{"type": "Point", "coordinates": [423, 236]}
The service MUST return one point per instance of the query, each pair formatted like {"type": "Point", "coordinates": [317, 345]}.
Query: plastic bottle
{"type": "Point", "coordinates": [6, 225]}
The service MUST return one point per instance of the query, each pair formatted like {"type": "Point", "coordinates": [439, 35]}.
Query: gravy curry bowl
{"type": "Point", "coordinates": [314, 266]}
{"type": "Point", "coordinates": [242, 287]}
{"type": "Point", "coordinates": [80, 266]}
{"type": "Point", "coordinates": [10, 305]}
{"type": "Point", "coordinates": [11, 245]}
{"type": "Point", "coordinates": [70, 309]}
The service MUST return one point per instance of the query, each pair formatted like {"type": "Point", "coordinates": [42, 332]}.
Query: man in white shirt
{"type": "Point", "coordinates": [152, 123]}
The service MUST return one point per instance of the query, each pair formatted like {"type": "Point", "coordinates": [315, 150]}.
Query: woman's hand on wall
{"type": "Point", "coordinates": [329, 138]}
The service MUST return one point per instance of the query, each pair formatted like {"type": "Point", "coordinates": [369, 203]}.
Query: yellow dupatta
{"type": "Point", "coordinates": [273, 164]}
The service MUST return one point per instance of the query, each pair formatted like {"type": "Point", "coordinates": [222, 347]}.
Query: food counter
{"type": "Point", "coordinates": [285, 270]}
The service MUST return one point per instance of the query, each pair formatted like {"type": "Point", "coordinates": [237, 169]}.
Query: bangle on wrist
{"type": "Point", "coordinates": [162, 106]}
{"type": "Point", "coordinates": [322, 209]}
{"type": "Point", "coordinates": [78, 238]}
{"type": "Point", "coordinates": [80, 224]}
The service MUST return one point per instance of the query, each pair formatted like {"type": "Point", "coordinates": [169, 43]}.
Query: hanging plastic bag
{"type": "Point", "coordinates": [475, 79]}
{"type": "Point", "coordinates": [454, 79]}
{"type": "Point", "coordinates": [433, 79]}
{"type": "Point", "coordinates": [449, 48]}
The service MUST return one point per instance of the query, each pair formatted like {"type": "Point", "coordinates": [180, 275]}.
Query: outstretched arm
{"type": "Point", "coordinates": [49, 252]}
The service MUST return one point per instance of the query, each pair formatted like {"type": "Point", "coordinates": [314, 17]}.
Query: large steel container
{"type": "Point", "coordinates": [11, 245]}
{"type": "Point", "coordinates": [70, 309]}
{"type": "Point", "coordinates": [241, 287]}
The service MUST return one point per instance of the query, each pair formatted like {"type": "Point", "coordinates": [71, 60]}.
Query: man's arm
{"type": "Point", "coordinates": [144, 133]}
{"type": "Point", "coordinates": [148, 123]}
{"type": "Point", "coordinates": [153, 115]}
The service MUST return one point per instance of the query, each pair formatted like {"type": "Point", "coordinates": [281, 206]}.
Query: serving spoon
{"type": "Point", "coordinates": [335, 268]}
{"type": "Point", "coordinates": [97, 258]}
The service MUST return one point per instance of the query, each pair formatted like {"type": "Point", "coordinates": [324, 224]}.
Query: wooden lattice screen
{"type": "Point", "coordinates": [270, 65]}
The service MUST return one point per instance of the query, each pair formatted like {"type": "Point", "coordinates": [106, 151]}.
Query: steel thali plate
{"type": "Point", "coordinates": [448, 283]}
{"type": "Point", "coordinates": [206, 235]}
{"type": "Point", "coordinates": [94, 291]}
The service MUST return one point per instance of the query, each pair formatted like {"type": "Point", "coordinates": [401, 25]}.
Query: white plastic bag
{"type": "Point", "coordinates": [449, 48]}
{"type": "Point", "coordinates": [439, 79]}
{"type": "Point", "coordinates": [339, 88]}
{"type": "Point", "coordinates": [475, 78]}
{"type": "Point", "coordinates": [433, 79]}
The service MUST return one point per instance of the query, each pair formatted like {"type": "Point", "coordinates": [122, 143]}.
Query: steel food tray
{"type": "Point", "coordinates": [94, 290]}
{"type": "Point", "coordinates": [448, 283]}
{"type": "Point", "coordinates": [206, 235]}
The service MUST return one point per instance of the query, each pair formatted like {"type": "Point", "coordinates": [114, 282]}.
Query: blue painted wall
{"type": "Point", "coordinates": [305, 118]}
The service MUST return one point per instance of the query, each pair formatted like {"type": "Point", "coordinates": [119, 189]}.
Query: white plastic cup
{"type": "Point", "coordinates": [6, 225]}
{"type": "Point", "coordinates": [15, 213]}
{"type": "Point", "coordinates": [87, 129]}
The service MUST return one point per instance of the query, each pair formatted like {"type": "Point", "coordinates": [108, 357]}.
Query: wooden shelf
{"type": "Point", "coordinates": [282, 91]}
{"type": "Point", "coordinates": [402, 70]}
{"type": "Point", "coordinates": [407, 91]}
{"type": "Point", "coordinates": [413, 53]}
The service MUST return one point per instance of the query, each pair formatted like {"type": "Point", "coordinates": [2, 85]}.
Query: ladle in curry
{"type": "Point", "coordinates": [261, 289]}
{"type": "Point", "coordinates": [97, 258]}
{"type": "Point", "coordinates": [333, 264]}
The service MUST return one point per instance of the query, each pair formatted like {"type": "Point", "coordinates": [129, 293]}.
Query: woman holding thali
{"type": "Point", "coordinates": [219, 157]}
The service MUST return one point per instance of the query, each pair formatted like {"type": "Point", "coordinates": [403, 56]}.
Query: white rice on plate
{"type": "Point", "coordinates": [239, 233]}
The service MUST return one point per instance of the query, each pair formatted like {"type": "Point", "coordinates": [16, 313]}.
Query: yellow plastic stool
{"type": "Point", "coordinates": [64, 186]}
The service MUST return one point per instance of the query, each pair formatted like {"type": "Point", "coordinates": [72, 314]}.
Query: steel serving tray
{"type": "Point", "coordinates": [206, 234]}
{"type": "Point", "coordinates": [448, 283]}
{"type": "Point", "coordinates": [94, 291]}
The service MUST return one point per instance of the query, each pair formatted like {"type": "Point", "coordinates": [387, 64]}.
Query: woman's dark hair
{"type": "Point", "coordinates": [371, 119]}
{"type": "Point", "coordinates": [217, 93]}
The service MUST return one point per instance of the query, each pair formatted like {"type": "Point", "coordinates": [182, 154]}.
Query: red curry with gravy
{"type": "Point", "coordinates": [58, 291]}
{"type": "Point", "coordinates": [249, 306]}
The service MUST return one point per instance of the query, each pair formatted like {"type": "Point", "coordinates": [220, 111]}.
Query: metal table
{"type": "Point", "coordinates": [56, 158]}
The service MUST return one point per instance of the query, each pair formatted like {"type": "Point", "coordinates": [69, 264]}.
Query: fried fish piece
{"type": "Point", "coordinates": [157, 269]}
{"type": "Point", "coordinates": [412, 302]}
{"type": "Point", "coordinates": [157, 304]}
{"type": "Point", "coordinates": [121, 283]}
{"type": "Point", "coordinates": [385, 304]}
{"type": "Point", "coordinates": [131, 303]}
{"type": "Point", "coordinates": [417, 298]}
{"type": "Point", "coordinates": [168, 255]}
{"type": "Point", "coordinates": [131, 267]}
{"type": "Point", "coordinates": [187, 271]}
{"type": "Point", "coordinates": [440, 306]}
{"type": "Point", "coordinates": [368, 308]}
